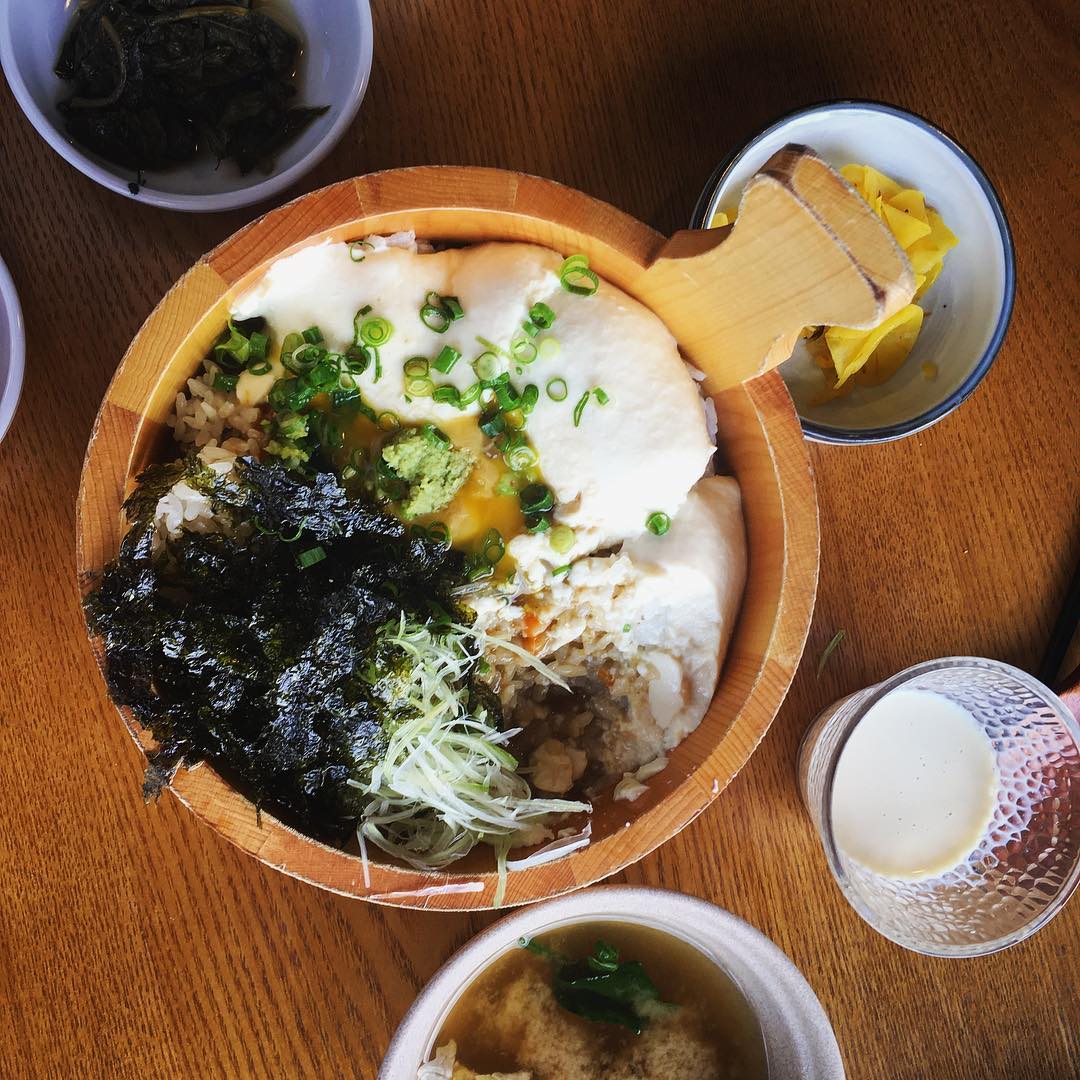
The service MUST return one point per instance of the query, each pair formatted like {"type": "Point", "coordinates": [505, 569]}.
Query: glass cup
{"type": "Point", "coordinates": [1028, 862]}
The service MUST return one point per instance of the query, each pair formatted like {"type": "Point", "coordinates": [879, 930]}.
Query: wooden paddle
{"type": "Point", "coordinates": [805, 250]}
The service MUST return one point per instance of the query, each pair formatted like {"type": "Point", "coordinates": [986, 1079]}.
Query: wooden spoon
{"type": "Point", "coordinates": [805, 250]}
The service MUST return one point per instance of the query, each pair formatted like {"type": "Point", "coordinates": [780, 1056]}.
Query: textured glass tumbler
{"type": "Point", "coordinates": [1028, 861]}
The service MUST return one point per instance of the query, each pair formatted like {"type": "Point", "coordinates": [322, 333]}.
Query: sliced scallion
{"type": "Point", "coordinates": [419, 387]}
{"type": "Point", "coordinates": [579, 408]}
{"type": "Point", "coordinates": [312, 335]}
{"type": "Point", "coordinates": [435, 435]}
{"type": "Point", "coordinates": [529, 397]}
{"type": "Point", "coordinates": [562, 538]}
{"type": "Point", "coordinates": [658, 523]}
{"type": "Point", "coordinates": [446, 359]}
{"type": "Point", "coordinates": [601, 395]}
{"type": "Point", "coordinates": [225, 382]}
{"type": "Point", "coordinates": [453, 307]}
{"type": "Point", "coordinates": [357, 250]}
{"type": "Point", "coordinates": [536, 498]}
{"type": "Point", "coordinates": [447, 395]}
{"type": "Point", "coordinates": [376, 332]}
{"type": "Point", "coordinates": [416, 367]}
{"type": "Point", "coordinates": [542, 316]}
{"type": "Point", "coordinates": [548, 348]}
{"type": "Point", "coordinates": [576, 277]}
{"type": "Point", "coordinates": [557, 389]}
{"type": "Point", "coordinates": [486, 366]}
{"type": "Point", "coordinates": [310, 557]}
{"type": "Point", "coordinates": [388, 421]}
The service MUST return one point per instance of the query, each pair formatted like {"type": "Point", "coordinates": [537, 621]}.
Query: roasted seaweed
{"type": "Point", "coordinates": [234, 647]}
{"type": "Point", "coordinates": [156, 80]}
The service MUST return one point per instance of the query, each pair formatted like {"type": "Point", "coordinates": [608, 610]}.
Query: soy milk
{"type": "Point", "coordinates": [915, 786]}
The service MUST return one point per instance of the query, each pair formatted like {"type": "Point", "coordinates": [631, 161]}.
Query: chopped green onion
{"type": "Point", "coordinates": [416, 367]}
{"type": "Point", "coordinates": [514, 418]}
{"type": "Point", "coordinates": [434, 314]}
{"type": "Point", "coordinates": [323, 376]}
{"type": "Point", "coordinates": [529, 397]}
{"type": "Point", "coordinates": [310, 557]}
{"type": "Point", "coordinates": [235, 350]}
{"type": "Point", "coordinates": [520, 457]}
{"type": "Point", "coordinates": [225, 382]}
{"type": "Point", "coordinates": [537, 523]}
{"type": "Point", "coordinates": [542, 316]}
{"type": "Point", "coordinates": [658, 523]}
{"type": "Point", "coordinates": [357, 248]}
{"type": "Point", "coordinates": [388, 421]}
{"type": "Point", "coordinates": [257, 347]}
{"type": "Point", "coordinates": [557, 389]}
{"type": "Point", "coordinates": [530, 328]}
{"type": "Point", "coordinates": [419, 387]}
{"type": "Point", "coordinates": [262, 368]}
{"type": "Point", "coordinates": [486, 366]}
{"type": "Point", "coordinates": [506, 398]}
{"type": "Point", "coordinates": [560, 570]}
{"type": "Point", "coordinates": [537, 498]}
{"type": "Point", "coordinates": [469, 395]}
{"type": "Point", "coordinates": [576, 277]}
{"type": "Point", "coordinates": [548, 348]}
{"type": "Point", "coordinates": [447, 395]}
{"type": "Point", "coordinates": [834, 644]}
{"type": "Point", "coordinates": [435, 435]}
{"type": "Point", "coordinates": [601, 395]}
{"type": "Point", "coordinates": [446, 359]}
{"type": "Point", "coordinates": [312, 335]}
{"type": "Point", "coordinates": [439, 533]}
{"type": "Point", "coordinates": [376, 332]}
{"type": "Point", "coordinates": [493, 548]}
{"type": "Point", "coordinates": [579, 408]}
{"type": "Point", "coordinates": [492, 424]}
{"type": "Point", "coordinates": [301, 359]}
{"type": "Point", "coordinates": [492, 347]}
{"type": "Point", "coordinates": [562, 539]}
{"type": "Point", "coordinates": [453, 307]}
{"type": "Point", "coordinates": [509, 484]}
{"type": "Point", "coordinates": [523, 349]}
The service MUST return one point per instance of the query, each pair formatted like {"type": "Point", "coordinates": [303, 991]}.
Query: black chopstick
{"type": "Point", "coordinates": [1063, 633]}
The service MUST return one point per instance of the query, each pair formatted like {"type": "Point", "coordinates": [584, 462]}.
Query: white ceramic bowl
{"type": "Point", "coordinates": [799, 1040]}
{"type": "Point", "coordinates": [333, 70]}
{"type": "Point", "coordinates": [968, 307]}
{"type": "Point", "coordinates": [12, 350]}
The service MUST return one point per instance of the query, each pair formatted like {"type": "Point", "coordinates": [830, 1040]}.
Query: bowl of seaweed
{"type": "Point", "coordinates": [188, 104]}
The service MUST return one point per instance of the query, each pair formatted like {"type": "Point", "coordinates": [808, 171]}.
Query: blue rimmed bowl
{"type": "Point", "coordinates": [969, 306]}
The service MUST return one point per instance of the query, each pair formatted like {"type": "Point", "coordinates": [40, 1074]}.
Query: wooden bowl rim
{"type": "Point", "coordinates": [393, 193]}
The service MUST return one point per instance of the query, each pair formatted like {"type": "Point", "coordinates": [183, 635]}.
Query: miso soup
{"type": "Point", "coordinates": [535, 1012]}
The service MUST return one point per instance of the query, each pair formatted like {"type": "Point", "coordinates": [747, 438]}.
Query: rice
{"type": "Point", "coordinates": [207, 417]}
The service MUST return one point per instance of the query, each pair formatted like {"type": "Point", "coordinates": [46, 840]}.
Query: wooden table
{"type": "Point", "coordinates": [134, 942]}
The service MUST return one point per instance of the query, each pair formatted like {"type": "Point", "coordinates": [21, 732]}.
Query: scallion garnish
{"type": "Point", "coordinates": [435, 435]}
{"type": "Point", "coordinates": [514, 418]}
{"type": "Point", "coordinates": [419, 387]}
{"type": "Point", "coordinates": [491, 424]}
{"type": "Point", "coordinates": [579, 408]}
{"type": "Point", "coordinates": [416, 367]}
{"type": "Point", "coordinates": [446, 359]}
{"type": "Point", "coordinates": [262, 368]}
{"type": "Point", "coordinates": [357, 249]}
{"type": "Point", "coordinates": [486, 366]}
{"type": "Point", "coordinates": [601, 395]}
{"type": "Point", "coordinates": [447, 395]}
{"type": "Point", "coordinates": [658, 523]}
{"type": "Point", "coordinates": [469, 395]}
{"type": "Point", "coordinates": [453, 306]}
{"type": "Point", "coordinates": [493, 548]}
{"type": "Point", "coordinates": [548, 348]}
{"type": "Point", "coordinates": [225, 382]}
{"type": "Point", "coordinates": [576, 277]}
{"type": "Point", "coordinates": [530, 328]}
{"type": "Point", "coordinates": [562, 539]}
{"type": "Point", "coordinates": [520, 456]}
{"type": "Point", "coordinates": [376, 332]}
{"type": "Point", "coordinates": [312, 335]}
{"type": "Point", "coordinates": [557, 389]}
{"type": "Point", "coordinates": [388, 421]}
{"type": "Point", "coordinates": [506, 398]}
{"type": "Point", "coordinates": [509, 484]}
{"type": "Point", "coordinates": [542, 316]}
{"type": "Point", "coordinates": [560, 570]}
{"type": "Point", "coordinates": [536, 499]}
{"type": "Point", "coordinates": [529, 397]}
{"type": "Point", "coordinates": [537, 523]}
{"type": "Point", "coordinates": [309, 558]}
{"type": "Point", "coordinates": [523, 349]}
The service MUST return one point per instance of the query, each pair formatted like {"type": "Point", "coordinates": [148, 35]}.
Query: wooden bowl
{"type": "Point", "coordinates": [760, 438]}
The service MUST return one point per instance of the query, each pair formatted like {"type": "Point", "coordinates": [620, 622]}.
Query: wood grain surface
{"type": "Point", "coordinates": [134, 942]}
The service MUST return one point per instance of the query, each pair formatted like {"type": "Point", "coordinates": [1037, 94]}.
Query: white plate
{"type": "Point", "coordinates": [799, 1040]}
{"type": "Point", "coordinates": [12, 349]}
{"type": "Point", "coordinates": [334, 70]}
{"type": "Point", "coordinates": [969, 306]}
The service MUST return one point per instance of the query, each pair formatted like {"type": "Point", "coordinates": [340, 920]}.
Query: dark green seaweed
{"type": "Point", "coordinates": [229, 649]}
{"type": "Point", "coordinates": [600, 987]}
{"type": "Point", "coordinates": [156, 80]}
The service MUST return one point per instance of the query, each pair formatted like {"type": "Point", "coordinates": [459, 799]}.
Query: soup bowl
{"type": "Point", "coordinates": [760, 444]}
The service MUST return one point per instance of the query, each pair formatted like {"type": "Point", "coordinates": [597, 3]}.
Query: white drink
{"type": "Point", "coordinates": [915, 787]}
